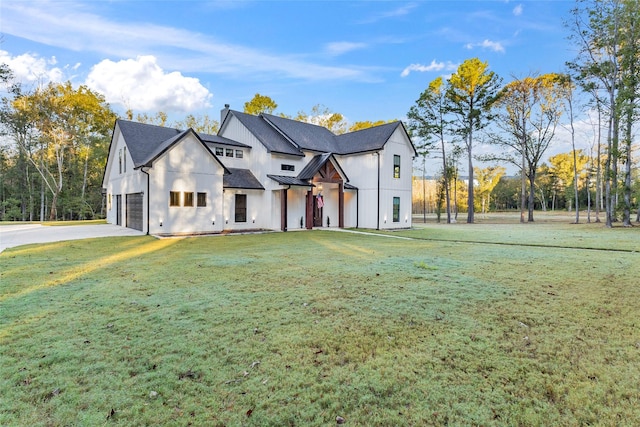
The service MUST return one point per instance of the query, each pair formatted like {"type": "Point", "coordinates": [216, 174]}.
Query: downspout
{"type": "Point", "coordinates": [148, 195]}
{"type": "Point", "coordinates": [358, 208]}
{"type": "Point", "coordinates": [378, 225]}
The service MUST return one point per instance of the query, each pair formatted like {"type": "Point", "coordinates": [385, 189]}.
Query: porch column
{"type": "Point", "coordinates": [309, 210]}
{"type": "Point", "coordinates": [341, 205]}
{"type": "Point", "coordinates": [283, 209]}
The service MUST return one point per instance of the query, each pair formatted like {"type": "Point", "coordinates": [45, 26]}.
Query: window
{"type": "Point", "coordinates": [241, 208]}
{"type": "Point", "coordinates": [287, 167]}
{"type": "Point", "coordinates": [202, 200]}
{"type": "Point", "coordinates": [188, 198]}
{"type": "Point", "coordinates": [174, 198]}
{"type": "Point", "coordinates": [239, 154]}
{"type": "Point", "coordinates": [396, 166]}
{"type": "Point", "coordinates": [109, 201]}
{"type": "Point", "coordinates": [124, 163]}
{"type": "Point", "coordinates": [120, 159]}
{"type": "Point", "coordinates": [229, 152]}
{"type": "Point", "coordinates": [219, 151]}
{"type": "Point", "coordinates": [396, 209]}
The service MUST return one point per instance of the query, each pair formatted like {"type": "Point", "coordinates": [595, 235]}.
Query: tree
{"type": "Point", "coordinates": [561, 167]}
{"type": "Point", "coordinates": [427, 121]}
{"type": "Point", "coordinates": [260, 104]}
{"type": "Point", "coordinates": [487, 179]}
{"type": "Point", "coordinates": [200, 124]}
{"type": "Point", "coordinates": [606, 33]}
{"type": "Point", "coordinates": [63, 130]}
{"type": "Point", "coordinates": [368, 124]}
{"type": "Point", "coordinates": [530, 110]}
{"type": "Point", "coordinates": [471, 93]}
{"type": "Point", "coordinates": [323, 116]}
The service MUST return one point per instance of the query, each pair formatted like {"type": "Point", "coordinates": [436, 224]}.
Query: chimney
{"type": "Point", "coordinates": [223, 114]}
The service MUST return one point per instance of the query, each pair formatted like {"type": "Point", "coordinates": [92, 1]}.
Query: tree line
{"type": "Point", "coordinates": [521, 118]}
{"type": "Point", "coordinates": [55, 138]}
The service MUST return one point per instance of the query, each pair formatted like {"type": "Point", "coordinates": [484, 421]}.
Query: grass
{"type": "Point", "coordinates": [299, 328]}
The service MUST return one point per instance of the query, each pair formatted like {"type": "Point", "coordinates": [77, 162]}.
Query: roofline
{"type": "Point", "coordinates": [180, 137]}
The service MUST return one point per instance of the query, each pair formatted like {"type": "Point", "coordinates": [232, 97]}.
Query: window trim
{"type": "Point", "coordinates": [240, 211]}
{"type": "Point", "coordinates": [174, 199]}
{"type": "Point", "coordinates": [187, 199]}
{"type": "Point", "coordinates": [396, 166]}
{"type": "Point", "coordinates": [396, 213]}
{"type": "Point", "coordinates": [201, 199]}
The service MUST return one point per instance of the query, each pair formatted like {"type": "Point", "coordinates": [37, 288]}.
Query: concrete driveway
{"type": "Point", "coordinates": [24, 234]}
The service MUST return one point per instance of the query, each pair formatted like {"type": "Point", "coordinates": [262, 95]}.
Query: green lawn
{"type": "Point", "coordinates": [299, 328]}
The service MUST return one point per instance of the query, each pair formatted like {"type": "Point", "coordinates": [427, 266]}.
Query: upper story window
{"type": "Point", "coordinates": [124, 162]}
{"type": "Point", "coordinates": [229, 152]}
{"type": "Point", "coordinates": [120, 160]}
{"type": "Point", "coordinates": [287, 167]}
{"type": "Point", "coordinates": [239, 154]}
{"type": "Point", "coordinates": [396, 166]}
{"type": "Point", "coordinates": [219, 151]}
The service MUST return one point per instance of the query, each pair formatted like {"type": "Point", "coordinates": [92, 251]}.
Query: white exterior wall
{"type": "Point", "coordinates": [362, 170]}
{"type": "Point", "coordinates": [186, 167]}
{"type": "Point", "coordinates": [128, 182]}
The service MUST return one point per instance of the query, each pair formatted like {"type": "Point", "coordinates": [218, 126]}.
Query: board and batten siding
{"type": "Point", "coordinates": [129, 181]}
{"type": "Point", "coordinates": [362, 170]}
{"type": "Point", "coordinates": [187, 167]}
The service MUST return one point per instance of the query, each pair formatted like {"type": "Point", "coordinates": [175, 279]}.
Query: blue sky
{"type": "Point", "coordinates": [366, 60]}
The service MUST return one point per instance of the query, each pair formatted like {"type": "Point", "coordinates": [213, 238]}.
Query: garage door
{"type": "Point", "coordinates": [134, 211]}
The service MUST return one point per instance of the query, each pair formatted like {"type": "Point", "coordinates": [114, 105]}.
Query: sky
{"type": "Point", "coordinates": [368, 60]}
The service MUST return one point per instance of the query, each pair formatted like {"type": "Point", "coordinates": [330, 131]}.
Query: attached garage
{"type": "Point", "coordinates": [134, 211]}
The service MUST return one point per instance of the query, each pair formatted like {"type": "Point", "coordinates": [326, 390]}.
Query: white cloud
{"type": "Point", "coordinates": [140, 84]}
{"type": "Point", "coordinates": [487, 44]}
{"type": "Point", "coordinates": [434, 66]}
{"type": "Point", "coordinates": [30, 68]}
{"type": "Point", "coordinates": [400, 11]}
{"type": "Point", "coordinates": [517, 11]}
{"type": "Point", "coordinates": [339, 48]}
{"type": "Point", "coordinates": [69, 25]}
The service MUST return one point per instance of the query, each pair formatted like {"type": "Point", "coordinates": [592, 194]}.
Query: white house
{"type": "Point", "coordinates": [259, 172]}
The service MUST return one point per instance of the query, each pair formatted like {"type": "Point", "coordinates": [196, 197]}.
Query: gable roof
{"type": "Point", "coordinates": [267, 134]}
{"type": "Point", "coordinates": [314, 165]}
{"type": "Point", "coordinates": [146, 143]}
{"type": "Point", "coordinates": [142, 139]}
{"type": "Point", "coordinates": [306, 136]}
{"type": "Point", "coordinates": [287, 136]}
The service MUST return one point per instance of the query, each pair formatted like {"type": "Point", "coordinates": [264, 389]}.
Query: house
{"type": "Point", "coordinates": [258, 172]}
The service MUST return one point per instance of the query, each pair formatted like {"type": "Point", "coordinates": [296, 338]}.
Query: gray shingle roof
{"type": "Point", "coordinates": [364, 140]}
{"type": "Point", "coordinates": [307, 136]}
{"type": "Point", "coordinates": [217, 139]}
{"type": "Point", "coordinates": [146, 143]}
{"type": "Point", "coordinates": [282, 135]}
{"type": "Point", "coordinates": [143, 139]}
{"type": "Point", "coordinates": [241, 178]}
{"type": "Point", "coordinates": [266, 134]}
{"type": "Point", "coordinates": [314, 165]}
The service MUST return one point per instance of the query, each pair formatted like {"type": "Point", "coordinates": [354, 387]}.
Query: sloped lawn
{"type": "Point", "coordinates": [300, 328]}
